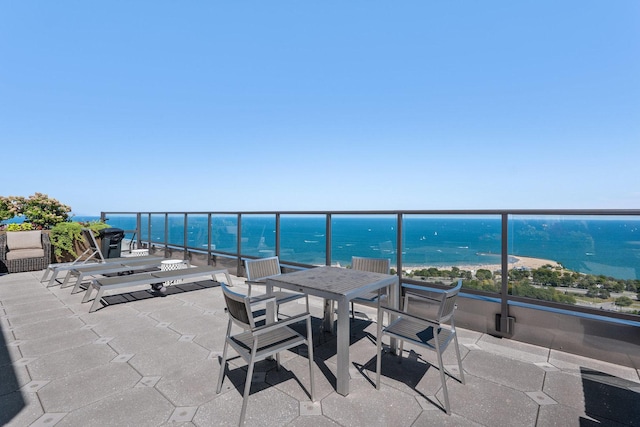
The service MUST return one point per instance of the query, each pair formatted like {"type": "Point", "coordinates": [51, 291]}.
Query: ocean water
{"type": "Point", "coordinates": [594, 246]}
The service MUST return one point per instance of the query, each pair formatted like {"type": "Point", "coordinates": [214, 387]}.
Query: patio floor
{"type": "Point", "coordinates": [149, 360]}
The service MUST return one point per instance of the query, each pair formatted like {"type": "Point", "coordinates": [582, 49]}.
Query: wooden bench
{"type": "Point", "coordinates": [123, 282]}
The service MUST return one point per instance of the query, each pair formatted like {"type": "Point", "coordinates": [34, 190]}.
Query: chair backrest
{"type": "Point", "coordinates": [92, 243]}
{"type": "Point", "coordinates": [373, 265]}
{"type": "Point", "coordinates": [264, 267]}
{"type": "Point", "coordinates": [448, 304]}
{"type": "Point", "coordinates": [237, 307]}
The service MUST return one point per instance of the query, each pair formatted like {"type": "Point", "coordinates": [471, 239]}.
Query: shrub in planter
{"type": "Point", "coordinates": [25, 226]}
{"type": "Point", "coordinates": [67, 241]}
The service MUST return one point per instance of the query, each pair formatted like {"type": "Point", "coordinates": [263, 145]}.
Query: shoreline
{"type": "Point", "coordinates": [514, 262]}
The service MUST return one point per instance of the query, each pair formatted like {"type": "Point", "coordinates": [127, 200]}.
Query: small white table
{"type": "Point", "coordinates": [140, 252]}
{"type": "Point", "coordinates": [173, 264]}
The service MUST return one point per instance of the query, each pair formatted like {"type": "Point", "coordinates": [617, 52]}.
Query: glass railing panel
{"type": "Point", "coordinates": [144, 227]}
{"type": "Point", "coordinates": [303, 239]}
{"type": "Point", "coordinates": [197, 231]}
{"type": "Point", "coordinates": [363, 235]}
{"type": "Point", "coordinates": [176, 229]}
{"type": "Point", "coordinates": [590, 261]}
{"type": "Point", "coordinates": [258, 236]}
{"type": "Point", "coordinates": [158, 229]}
{"type": "Point", "coordinates": [224, 233]}
{"type": "Point", "coordinates": [439, 248]}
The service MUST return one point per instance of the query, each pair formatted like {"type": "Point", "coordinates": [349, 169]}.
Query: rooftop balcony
{"type": "Point", "coordinates": [145, 360]}
{"type": "Point", "coordinates": [149, 360]}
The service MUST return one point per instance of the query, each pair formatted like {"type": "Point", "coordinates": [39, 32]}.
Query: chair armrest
{"type": "Point", "coordinates": [404, 314]}
{"type": "Point", "coordinates": [46, 245]}
{"type": "Point", "coordinates": [421, 292]}
{"type": "Point", "coordinates": [3, 246]}
{"type": "Point", "coordinates": [280, 323]}
{"type": "Point", "coordinates": [261, 299]}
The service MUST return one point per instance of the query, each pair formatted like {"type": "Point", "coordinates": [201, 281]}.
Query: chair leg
{"type": "Point", "coordinates": [455, 341]}
{"type": "Point", "coordinates": [247, 388]}
{"type": "Point", "coordinates": [443, 377]}
{"type": "Point", "coordinates": [223, 364]}
{"type": "Point", "coordinates": [379, 350]}
{"type": "Point", "coordinates": [310, 355]}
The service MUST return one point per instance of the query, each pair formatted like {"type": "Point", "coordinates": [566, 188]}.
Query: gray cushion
{"type": "Point", "coordinates": [25, 253]}
{"type": "Point", "coordinates": [24, 240]}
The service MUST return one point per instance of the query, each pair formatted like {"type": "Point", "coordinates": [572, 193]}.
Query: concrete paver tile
{"type": "Point", "coordinates": [74, 391]}
{"type": "Point", "coordinates": [142, 406]}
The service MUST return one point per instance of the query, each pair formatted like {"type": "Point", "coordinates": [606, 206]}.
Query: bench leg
{"type": "Point", "coordinates": [65, 282]}
{"type": "Point", "coordinates": [87, 294]}
{"type": "Point", "coordinates": [96, 301]}
{"type": "Point", "coordinates": [52, 279]}
{"type": "Point", "coordinates": [46, 274]}
{"type": "Point", "coordinates": [77, 288]}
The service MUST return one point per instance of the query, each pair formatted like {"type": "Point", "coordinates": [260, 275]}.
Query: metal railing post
{"type": "Point", "coordinates": [278, 235]}
{"type": "Point", "coordinates": [239, 245]}
{"type": "Point", "coordinates": [209, 254]}
{"type": "Point", "coordinates": [505, 324]}
{"type": "Point", "coordinates": [166, 235]}
{"type": "Point", "coordinates": [185, 234]}
{"type": "Point", "coordinates": [328, 237]}
{"type": "Point", "coordinates": [138, 229]}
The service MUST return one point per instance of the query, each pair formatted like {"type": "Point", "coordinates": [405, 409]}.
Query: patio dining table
{"type": "Point", "coordinates": [341, 285]}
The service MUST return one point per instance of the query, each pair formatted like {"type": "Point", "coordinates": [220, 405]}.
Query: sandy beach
{"type": "Point", "coordinates": [515, 262]}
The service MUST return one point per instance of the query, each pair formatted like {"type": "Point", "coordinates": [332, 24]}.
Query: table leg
{"type": "Point", "coordinates": [270, 309]}
{"type": "Point", "coordinates": [327, 322]}
{"type": "Point", "coordinates": [342, 375]}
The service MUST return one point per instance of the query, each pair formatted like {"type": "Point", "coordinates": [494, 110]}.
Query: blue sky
{"type": "Point", "coordinates": [332, 105]}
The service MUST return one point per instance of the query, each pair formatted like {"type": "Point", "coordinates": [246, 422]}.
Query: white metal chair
{"type": "Point", "coordinates": [256, 343]}
{"type": "Point", "coordinates": [434, 331]}
{"type": "Point", "coordinates": [258, 270]}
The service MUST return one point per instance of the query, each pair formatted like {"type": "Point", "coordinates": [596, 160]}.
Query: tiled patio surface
{"type": "Point", "coordinates": [154, 361]}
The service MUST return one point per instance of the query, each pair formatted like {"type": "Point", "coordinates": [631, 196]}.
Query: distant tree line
{"type": "Point", "coordinates": [539, 283]}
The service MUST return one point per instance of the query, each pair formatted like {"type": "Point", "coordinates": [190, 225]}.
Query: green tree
{"type": "Point", "coordinates": [43, 211]}
{"type": "Point", "coordinates": [624, 301]}
{"type": "Point", "coordinates": [518, 275]}
{"type": "Point", "coordinates": [5, 208]}
{"type": "Point", "coordinates": [595, 292]}
{"type": "Point", "coordinates": [484, 274]}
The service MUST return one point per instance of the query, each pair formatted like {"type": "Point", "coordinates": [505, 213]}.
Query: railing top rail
{"type": "Point", "coordinates": [597, 212]}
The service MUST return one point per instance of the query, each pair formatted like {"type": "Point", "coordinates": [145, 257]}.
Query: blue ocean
{"type": "Point", "coordinates": [607, 246]}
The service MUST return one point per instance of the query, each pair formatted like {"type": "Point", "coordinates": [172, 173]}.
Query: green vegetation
{"type": "Point", "coordinates": [540, 283]}
{"type": "Point", "coordinates": [25, 226]}
{"type": "Point", "coordinates": [38, 209]}
{"type": "Point", "coordinates": [624, 301]}
{"type": "Point", "coordinates": [66, 237]}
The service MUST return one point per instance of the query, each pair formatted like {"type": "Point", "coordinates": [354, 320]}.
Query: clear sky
{"type": "Point", "coordinates": [321, 105]}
